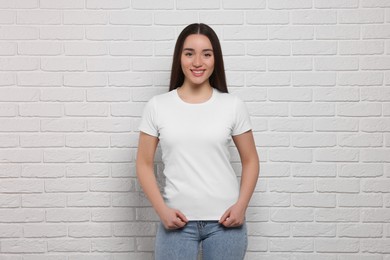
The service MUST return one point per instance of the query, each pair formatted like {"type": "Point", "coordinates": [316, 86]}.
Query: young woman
{"type": "Point", "coordinates": [202, 203]}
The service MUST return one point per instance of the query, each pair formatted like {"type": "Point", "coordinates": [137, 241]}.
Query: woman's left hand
{"type": "Point", "coordinates": [233, 216]}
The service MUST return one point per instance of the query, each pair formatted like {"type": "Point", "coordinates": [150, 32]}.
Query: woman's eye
{"type": "Point", "coordinates": [189, 54]}
{"type": "Point", "coordinates": [207, 54]}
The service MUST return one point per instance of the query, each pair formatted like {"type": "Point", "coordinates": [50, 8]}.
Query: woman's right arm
{"type": "Point", "coordinates": [171, 218]}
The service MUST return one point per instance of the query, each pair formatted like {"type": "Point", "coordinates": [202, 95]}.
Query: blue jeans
{"type": "Point", "coordinates": [216, 242]}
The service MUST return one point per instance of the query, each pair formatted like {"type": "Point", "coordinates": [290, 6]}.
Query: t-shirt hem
{"type": "Point", "coordinates": [148, 132]}
{"type": "Point", "coordinates": [242, 131]}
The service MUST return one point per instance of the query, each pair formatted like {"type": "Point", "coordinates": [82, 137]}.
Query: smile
{"type": "Point", "coordinates": [198, 73]}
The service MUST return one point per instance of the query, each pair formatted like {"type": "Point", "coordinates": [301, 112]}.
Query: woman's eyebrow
{"type": "Point", "coordinates": [190, 49]}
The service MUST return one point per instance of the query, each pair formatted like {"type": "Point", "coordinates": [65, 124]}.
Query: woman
{"type": "Point", "coordinates": [195, 121]}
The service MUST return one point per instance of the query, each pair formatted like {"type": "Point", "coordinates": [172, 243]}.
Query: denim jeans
{"type": "Point", "coordinates": [215, 241]}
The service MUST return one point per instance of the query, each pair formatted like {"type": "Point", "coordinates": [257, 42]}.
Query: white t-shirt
{"type": "Point", "coordinates": [194, 139]}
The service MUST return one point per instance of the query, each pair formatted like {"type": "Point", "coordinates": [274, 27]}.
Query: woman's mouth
{"type": "Point", "coordinates": [198, 73]}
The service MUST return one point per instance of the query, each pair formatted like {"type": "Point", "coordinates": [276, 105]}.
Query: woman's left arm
{"type": "Point", "coordinates": [235, 215]}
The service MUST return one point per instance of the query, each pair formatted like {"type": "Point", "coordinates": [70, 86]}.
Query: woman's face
{"type": "Point", "coordinates": [197, 60]}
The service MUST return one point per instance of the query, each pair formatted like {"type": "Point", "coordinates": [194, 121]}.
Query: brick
{"type": "Point", "coordinates": [267, 17]}
{"type": "Point", "coordinates": [68, 245]}
{"type": "Point", "coordinates": [19, 33]}
{"type": "Point", "coordinates": [312, 109]}
{"type": "Point", "coordinates": [131, 17]}
{"type": "Point", "coordinates": [21, 215]}
{"type": "Point", "coordinates": [66, 185]}
{"type": "Point", "coordinates": [295, 4]}
{"type": "Point", "coordinates": [340, 32]}
{"type": "Point", "coordinates": [64, 32]}
{"type": "Point", "coordinates": [336, 155]}
{"type": "Point", "coordinates": [134, 229]}
{"type": "Point", "coordinates": [112, 245]}
{"type": "Point", "coordinates": [360, 140]}
{"type": "Point", "coordinates": [19, 64]}
{"type": "Point", "coordinates": [375, 216]}
{"type": "Point", "coordinates": [21, 156]}
{"type": "Point", "coordinates": [360, 200]}
{"type": "Point", "coordinates": [23, 246]}
{"type": "Point", "coordinates": [109, 125]}
{"type": "Point", "coordinates": [313, 17]}
{"type": "Point", "coordinates": [151, 64]}
{"type": "Point", "coordinates": [152, 33]}
{"type": "Point", "coordinates": [64, 155]}
{"type": "Point", "coordinates": [290, 155]}
{"type": "Point", "coordinates": [267, 109]}
{"type": "Point", "coordinates": [361, 48]}
{"type": "Point", "coordinates": [84, 17]}
{"type": "Point", "coordinates": [291, 186]}
{"type": "Point", "coordinates": [290, 94]}
{"type": "Point", "coordinates": [139, 48]}
{"type": "Point", "coordinates": [291, 125]}
{"type": "Point", "coordinates": [87, 140]}
{"type": "Point", "coordinates": [99, 4]}
{"type": "Point", "coordinates": [42, 49]}
{"type": "Point", "coordinates": [87, 170]}
{"type": "Point", "coordinates": [337, 215]}
{"type": "Point", "coordinates": [7, 79]}
{"type": "Point", "coordinates": [86, 109]}
{"type": "Point", "coordinates": [224, 17]}
{"type": "Point", "coordinates": [375, 155]}
{"type": "Point", "coordinates": [112, 155]}
{"type": "Point", "coordinates": [375, 63]}
{"type": "Point", "coordinates": [10, 170]}
{"type": "Point", "coordinates": [360, 78]}
{"type": "Point", "coordinates": [336, 64]}
{"type": "Point", "coordinates": [152, 4]}
{"type": "Point", "coordinates": [268, 229]}
{"type": "Point", "coordinates": [257, 244]}
{"type": "Point", "coordinates": [41, 110]}
{"type": "Point", "coordinates": [58, 4]}
{"type": "Point", "coordinates": [268, 79]}
{"type": "Point", "coordinates": [63, 64]}
{"type": "Point", "coordinates": [114, 214]}
{"type": "Point", "coordinates": [360, 16]}
{"type": "Point", "coordinates": [336, 4]}
{"type": "Point", "coordinates": [85, 79]}
{"type": "Point", "coordinates": [43, 201]}
{"type": "Point", "coordinates": [274, 48]}
{"type": "Point", "coordinates": [375, 94]}
{"type": "Point", "coordinates": [41, 141]}
{"type": "Point", "coordinates": [314, 170]}
{"type": "Point", "coordinates": [292, 215]}
{"type": "Point", "coordinates": [108, 65]}
{"type": "Point", "coordinates": [44, 230]}
{"type": "Point", "coordinates": [377, 185]}
{"type": "Point", "coordinates": [39, 17]}
{"type": "Point", "coordinates": [246, 4]}
{"type": "Point", "coordinates": [337, 245]}
{"type": "Point", "coordinates": [375, 246]}
{"type": "Point", "coordinates": [314, 48]}
{"type": "Point", "coordinates": [115, 185]}
{"type": "Point", "coordinates": [338, 185]}
{"type": "Point", "coordinates": [287, 245]}
{"type": "Point", "coordinates": [11, 231]}
{"type": "Point", "coordinates": [9, 201]}
{"type": "Point", "coordinates": [90, 230]}
{"type": "Point", "coordinates": [7, 17]}
{"type": "Point", "coordinates": [272, 140]}
{"type": "Point", "coordinates": [314, 140]}
{"type": "Point", "coordinates": [359, 230]}
{"type": "Point", "coordinates": [66, 94]}
{"type": "Point", "coordinates": [314, 200]}
{"type": "Point", "coordinates": [375, 3]}
{"type": "Point", "coordinates": [375, 31]}
{"type": "Point", "coordinates": [42, 79]}
{"type": "Point", "coordinates": [62, 125]}
{"type": "Point", "coordinates": [313, 78]}
{"type": "Point", "coordinates": [175, 18]}
{"type": "Point", "coordinates": [85, 48]}
{"type": "Point", "coordinates": [67, 215]}
{"type": "Point", "coordinates": [336, 94]}
{"type": "Point", "coordinates": [43, 171]}
{"type": "Point", "coordinates": [360, 170]}
{"type": "Point", "coordinates": [297, 32]}
{"type": "Point", "coordinates": [313, 230]}
{"type": "Point", "coordinates": [9, 141]}
{"type": "Point", "coordinates": [88, 200]}
{"type": "Point", "coordinates": [266, 199]}
{"type": "Point", "coordinates": [336, 125]}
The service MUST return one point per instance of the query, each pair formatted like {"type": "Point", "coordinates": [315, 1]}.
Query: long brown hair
{"type": "Point", "coordinates": [217, 78]}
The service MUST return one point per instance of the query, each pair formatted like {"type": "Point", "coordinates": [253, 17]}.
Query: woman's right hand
{"type": "Point", "coordinates": [172, 218]}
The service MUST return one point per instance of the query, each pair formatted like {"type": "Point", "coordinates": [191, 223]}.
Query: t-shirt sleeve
{"type": "Point", "coordinates": [148, 123]}
{"type": "Point", "coordinates": [242, 121]}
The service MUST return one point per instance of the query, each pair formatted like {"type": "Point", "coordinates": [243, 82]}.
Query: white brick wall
{"type": "Point", "coordinates": [74, 78]}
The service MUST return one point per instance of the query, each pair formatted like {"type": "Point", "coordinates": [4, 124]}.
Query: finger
{"type": "Point", "coordinates": [224, 216]}
{"type": "Point", "coordinates": [228, 222]}
{"type": "Point", "coordinates": [181, 216]}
